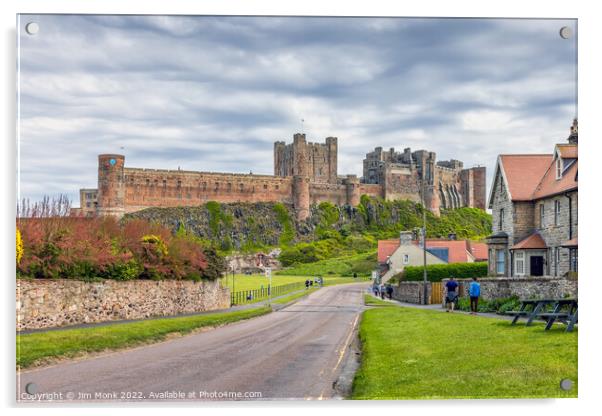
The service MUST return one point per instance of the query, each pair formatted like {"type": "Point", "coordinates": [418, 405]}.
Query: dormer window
{"type": "Point", "coordinates": [558, 168]}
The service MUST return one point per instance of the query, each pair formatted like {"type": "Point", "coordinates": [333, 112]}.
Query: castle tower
{"type": "Point", "coordinates": [332, 144]}
{"type": "Point", "coordinates": [111, 186]}
{"type": "Point", "coordinates": [300, 155]}
{"type": "Point", "coordinates": [352, 188]}
{"type": "Point", "coordinates": [301, 196]}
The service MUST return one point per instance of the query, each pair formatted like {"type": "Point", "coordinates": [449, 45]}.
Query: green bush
{"type": "Point", "coordinates": [438, 272]}
{"type": "Point", "coordinates": [501, 305]}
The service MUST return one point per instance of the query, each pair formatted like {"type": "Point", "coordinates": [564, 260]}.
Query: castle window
{"type": "Point", "coordinates": [229, 187]}
{"type": "Point", "coordinates": [204, 186]}
{"type": "Point", "coordinates": [558, 168]}
{"type": "Point", "coordinates": [556, 212]}
{"type": "Point", "coordinates": [276, 187]}
{"type": "Point", "coordinates": [216, 186]}
{"type": "Point", "coordinates": [147, 182]}
{"type": "Point", "coordinates": [179, 183]}
{"type": "Point", "coordinates": [541, 215]}
{"type": "Point", "coordinates": [165, 183]}
{"type": "Point", "coordinates": [241, 186]}
{"type": "Point", "coordinates": [265, 186]}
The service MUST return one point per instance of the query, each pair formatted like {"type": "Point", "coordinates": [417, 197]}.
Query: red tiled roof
{"type": "Point", "coordinates": [534, 241]}
{"type": "Point", "coordinates": [549, 185]}
{"type": "Point", "coordinates": [457, 250]}
{"type": "Point", "coordinates": [386, 248]}
{"type": "Point", "coordinates": [478, 250]}
{"type": "Point", "coordinates": [523, 173]}
{"type": "Point", "coordinates": [571, 243]}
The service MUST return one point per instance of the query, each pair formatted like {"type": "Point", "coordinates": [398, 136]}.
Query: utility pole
{"type": "Point", "coordinates": [424, 276]}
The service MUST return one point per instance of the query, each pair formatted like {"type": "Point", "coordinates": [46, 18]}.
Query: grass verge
{"type": "Point", "coordinates": [420, 354]}
{"type": "Point", "coordinates": [294, 296]}
{"type": "Point", "coordinates": [36, 347]}
{"type": "Point", "coordinates": [370, 300]}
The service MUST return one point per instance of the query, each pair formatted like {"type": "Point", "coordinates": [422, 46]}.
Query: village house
{"type": "Point", "coordinates": [533, 200]}
{"type": "Point", "coordinates": [395, 255]}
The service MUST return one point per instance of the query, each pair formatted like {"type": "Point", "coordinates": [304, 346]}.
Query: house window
{"type": "Point", "coordinates": [558, 168]}
{"type": "Point", "coordinates": [501, 220]}
{"type": "Point", "coordinates": [541, 215]}
{"type": "Point", "coordinates": [556, 261]}
{"type": "Point", "coordinates": [573, 259]}
{"type": "Point", "coordinates": [519, 263]}
{"type": "Point", "coordinates": [500, 262]}
{"type": "Point", "coordinates": [406, 259]}
{"type": "Point", "coordinates": [556, 211]}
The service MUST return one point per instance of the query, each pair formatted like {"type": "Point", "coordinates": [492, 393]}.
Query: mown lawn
{"type": "Point", "coordinates": [71, 342]}
{"type": "Point", "coordinates": [421, 354]}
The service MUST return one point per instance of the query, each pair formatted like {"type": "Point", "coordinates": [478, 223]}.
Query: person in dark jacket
{"type": "Point", "coordinates": [390, 291]}
{"type": "Point", "coordinates": [452, 294]}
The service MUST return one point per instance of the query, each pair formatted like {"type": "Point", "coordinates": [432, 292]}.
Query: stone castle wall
{"type": "Point", "coordinates": [168, 188]}
{"type": "Point", "coordinates": [46, 303]}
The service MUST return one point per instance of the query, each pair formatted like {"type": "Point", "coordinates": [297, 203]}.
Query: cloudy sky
{"type": "Point", "coordinates": [214, 93]}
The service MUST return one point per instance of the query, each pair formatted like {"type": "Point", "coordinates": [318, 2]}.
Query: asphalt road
{"type": "Point", "coordinates": [294, 353]}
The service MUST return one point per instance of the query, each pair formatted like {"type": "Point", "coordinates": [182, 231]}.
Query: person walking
{"type": "Point", "coordinates": [375, 289]}
{"type": "Point", "coordinates": [381, 289]}
{"type": "Point", "coordinates": [306, 284]}
{"type": "Point", "coordinates": [390, 291]}
{"type": "Point", "coordinates": [474, 291]}
{"type": "Point", "coordinates": [452, 294]}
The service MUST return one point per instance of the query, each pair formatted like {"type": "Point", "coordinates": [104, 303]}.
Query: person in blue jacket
{"type": "Point", "coordinates": [474, 291]}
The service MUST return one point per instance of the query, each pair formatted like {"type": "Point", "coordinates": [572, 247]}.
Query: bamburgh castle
{"type": "Point", "coordinates": [305, 173]}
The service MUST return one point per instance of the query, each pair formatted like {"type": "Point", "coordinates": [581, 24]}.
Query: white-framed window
{"type": "Point", "coordinates": [558, 168]}
{"type": "Point", "coordinates": [519, 263]}
{"type": "Point", "coordinates": [406, 259]}
{"type": "Point", "coordinates": [541, 215]}
{"type": "Point", "coordinates": [556, 211]}
{"type": "Point", "coordinates": [500, 260]}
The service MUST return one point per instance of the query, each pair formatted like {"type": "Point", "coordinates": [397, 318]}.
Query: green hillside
{"type": "Point", "coordinates": [330, 232]}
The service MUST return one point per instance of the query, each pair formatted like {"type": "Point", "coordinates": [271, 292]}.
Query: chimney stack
{"type": "Point", "coordinates": [573, 138]}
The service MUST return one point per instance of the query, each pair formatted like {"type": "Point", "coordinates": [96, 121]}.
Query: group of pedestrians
{"type": "Point", "coordinates": [382, 290]}
{"type": "Point", "coordinates": [474, 291]}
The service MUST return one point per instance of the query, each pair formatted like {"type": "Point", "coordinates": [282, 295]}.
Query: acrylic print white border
{"type": "Point", "coordinates": [589, 67]}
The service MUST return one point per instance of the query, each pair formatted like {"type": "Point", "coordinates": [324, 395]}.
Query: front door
{"type": "Point", "coordinates": [536, 265]}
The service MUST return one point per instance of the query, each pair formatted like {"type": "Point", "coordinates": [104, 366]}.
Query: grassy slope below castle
{"type": "Point", "coordinates": [337, 240]}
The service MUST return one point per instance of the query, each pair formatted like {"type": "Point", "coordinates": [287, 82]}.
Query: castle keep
{"type": "Point", "coordinates": [305, 173]}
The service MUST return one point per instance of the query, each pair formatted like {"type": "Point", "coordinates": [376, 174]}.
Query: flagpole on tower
{"type": "Point", "coordinates": [302, 126]}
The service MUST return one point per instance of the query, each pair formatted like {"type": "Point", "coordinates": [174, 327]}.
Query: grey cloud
{"type": "Point", "coordinates": [213, 93]}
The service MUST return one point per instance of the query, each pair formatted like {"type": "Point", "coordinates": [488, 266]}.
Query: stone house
{"type": "Point", "coordinates": [395, 255]}
{"type": "Point", "coordinates": [533, 200]}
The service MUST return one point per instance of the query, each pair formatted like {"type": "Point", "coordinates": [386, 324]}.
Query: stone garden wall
{"type": "Point", "coordinates": [410, 292]}
{"type": "Point", "coordinates": [45, 303]}
{"type": "Point", "coordinates": [523, 287]}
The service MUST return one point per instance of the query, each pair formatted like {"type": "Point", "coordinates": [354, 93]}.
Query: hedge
{"type": "Point", "coordinates": [438, 272]}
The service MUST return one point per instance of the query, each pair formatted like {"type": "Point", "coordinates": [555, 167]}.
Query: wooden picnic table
{"type": "Point", "coordinates": [536, 310]}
